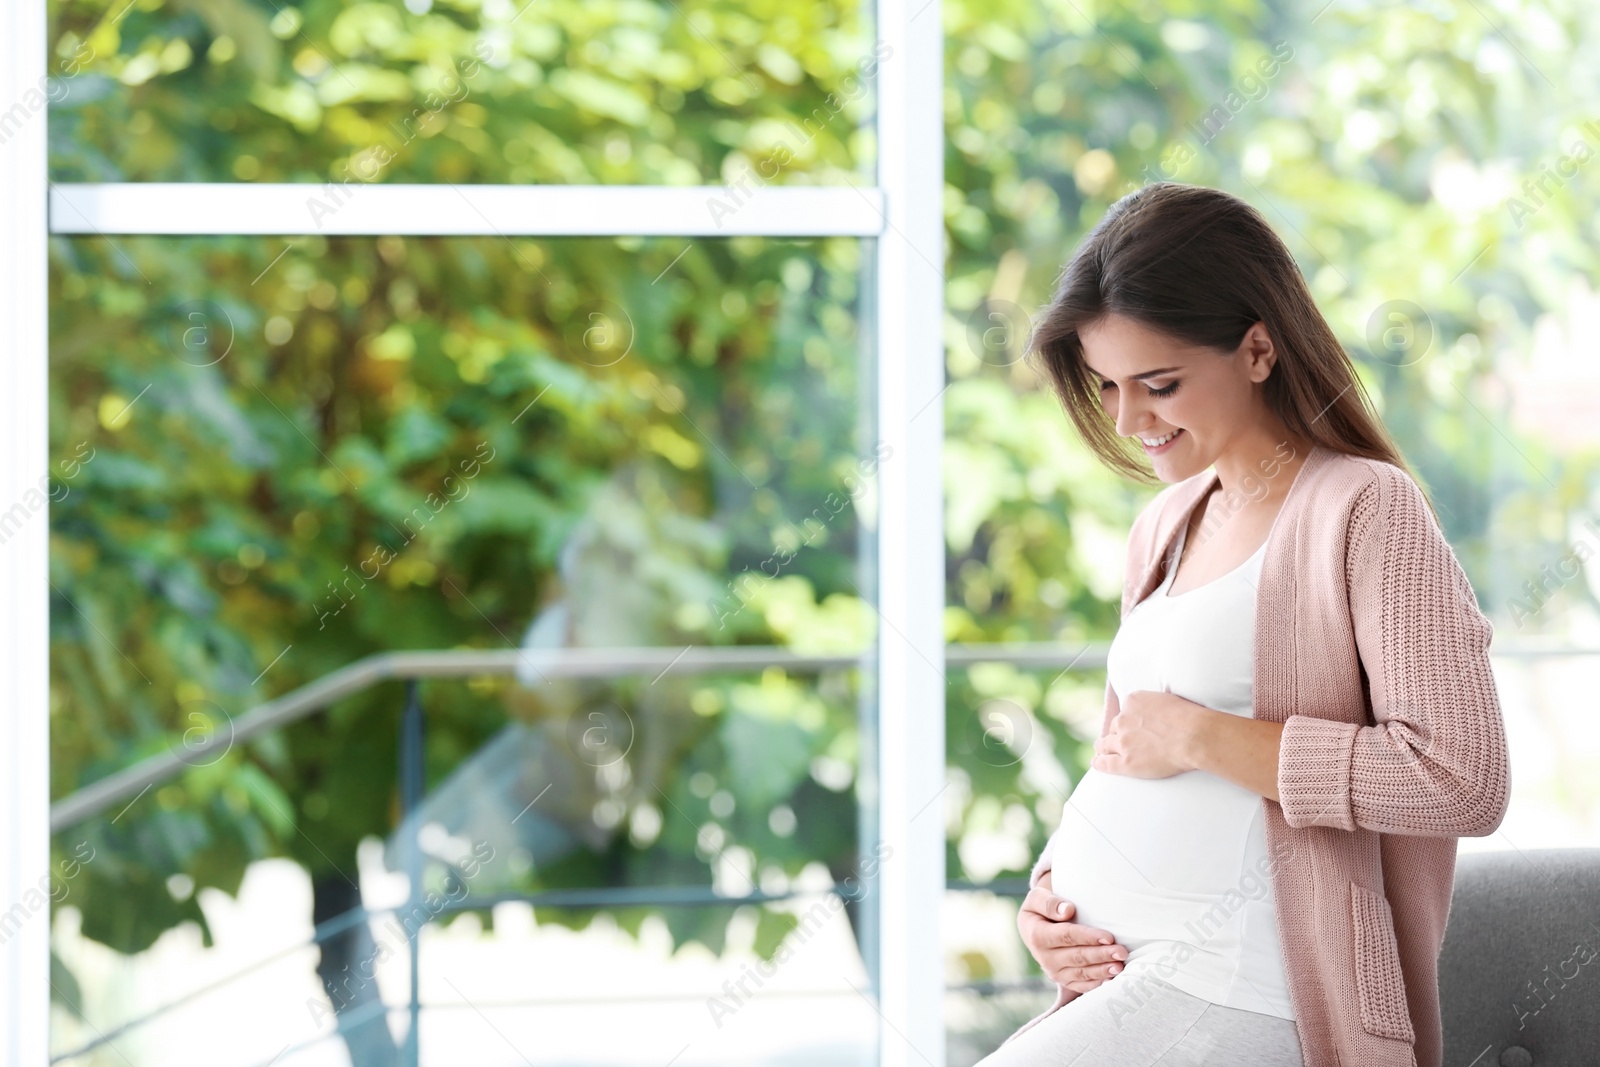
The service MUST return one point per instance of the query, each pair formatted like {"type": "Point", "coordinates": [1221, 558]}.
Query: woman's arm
{"type": "Point", "coordinates": [1435, 763]}
{"type": "Point", "coordinates": [1244, 751]}
{"type": "Point", "coordinates": [1160, 734]}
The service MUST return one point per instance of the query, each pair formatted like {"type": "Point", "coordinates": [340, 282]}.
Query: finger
{"type": "Point", "coordinates": [1079, 955]}
{"type": "Point", "coordinates": [1086, 978]}
{"type": "Point", "coordinates": [1043, 902]}
{"type": "Point", "coordinates": [1070, 976]}
{"type": "Point", "coordinates": [1095, 963]}
{"type": "Point", "coordinates": [1088, 955]}
{"type": "Point", "coordinates": [1071, 933]}
{"type": "Point", "coordinates": [1099, 973]}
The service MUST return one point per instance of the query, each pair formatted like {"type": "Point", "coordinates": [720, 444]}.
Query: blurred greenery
{"type": "Point", "coordinates": [368, 445]}
{"type": "Point", "coordinates": [1388, 145]}
{"type": "Point", "coordinates": [558, 91]}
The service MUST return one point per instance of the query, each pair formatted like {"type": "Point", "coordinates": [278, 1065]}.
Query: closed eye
{"type": "Point", "coordinates": [1164, 391]}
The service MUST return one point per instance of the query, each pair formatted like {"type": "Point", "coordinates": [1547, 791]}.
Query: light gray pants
{"type": "Point", "coordinates": [1171, 1028]}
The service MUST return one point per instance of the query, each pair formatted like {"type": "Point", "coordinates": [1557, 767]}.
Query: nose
{"type": "Point", "coordinates": [1128, 415]}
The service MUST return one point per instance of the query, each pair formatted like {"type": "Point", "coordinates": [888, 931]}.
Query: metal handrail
{"type": "Point", "coordinates": [315, 696]}
{"type": "Point", "coordinates": [389, 666]}
{"type": "Point", "coordinates": [585, 663]}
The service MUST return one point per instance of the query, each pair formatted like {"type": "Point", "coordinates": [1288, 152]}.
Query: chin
{"type": "Point", "coordinates": [1174, 469]}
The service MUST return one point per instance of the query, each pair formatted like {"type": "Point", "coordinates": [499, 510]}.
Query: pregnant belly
{"type": "Point", "coordinates": [1142, 857]}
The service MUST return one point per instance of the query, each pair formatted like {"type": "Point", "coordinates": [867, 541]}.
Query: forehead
{"type": "Point", "coordinates": [1116, 347]}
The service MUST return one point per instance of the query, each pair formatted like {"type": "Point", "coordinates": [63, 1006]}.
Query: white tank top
{"type": "Point", "coordinates": [1177, 868]}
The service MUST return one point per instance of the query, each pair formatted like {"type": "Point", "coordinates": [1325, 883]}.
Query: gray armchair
{"type": "Point", "coordinates": [1519, 975]}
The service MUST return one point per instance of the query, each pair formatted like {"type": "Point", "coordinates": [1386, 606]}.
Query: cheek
{"type": "Point", "coordinates": [1184, 409]}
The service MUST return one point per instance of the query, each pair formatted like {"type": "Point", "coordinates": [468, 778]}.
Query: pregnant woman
{"type": "Point", "coordinates": [1300, 715]}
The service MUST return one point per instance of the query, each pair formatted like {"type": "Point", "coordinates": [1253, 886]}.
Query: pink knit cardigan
{"type": "Point", "coordinates": [1371, 650]}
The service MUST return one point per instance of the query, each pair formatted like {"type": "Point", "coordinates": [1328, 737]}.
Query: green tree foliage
{"type": "Point", "coordinates": [385, 444]}
{"type": "Point", "coordinates": [341, 446]}
{"type": "Point", "coordinates": [605, 93]}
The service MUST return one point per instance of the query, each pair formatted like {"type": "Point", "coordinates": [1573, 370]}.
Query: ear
{"type": "Point", "coordinates": [1260, 355]}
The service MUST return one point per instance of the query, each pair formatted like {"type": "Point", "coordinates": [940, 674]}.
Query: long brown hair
{"type": "Point", "coordinates": [1202, 266]}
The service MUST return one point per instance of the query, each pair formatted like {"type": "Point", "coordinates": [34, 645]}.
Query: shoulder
{"type": "Point", "coordinates": [1371, 520]}
{"type": "Point", "coordinates": [1363, 495]}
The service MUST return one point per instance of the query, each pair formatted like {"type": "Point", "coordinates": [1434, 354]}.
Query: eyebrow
{"type": "Point", "coordinates": [1136, 377]}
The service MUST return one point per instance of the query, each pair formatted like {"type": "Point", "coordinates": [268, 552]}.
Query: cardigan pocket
{"type": "Point", "coordinates": [1380, 985]}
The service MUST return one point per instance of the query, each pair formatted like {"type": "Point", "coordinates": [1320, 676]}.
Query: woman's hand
{"type": "Point", "coordinates": [1151, 736]}
{"type": "Point", "coordinates": [1071, 954]}
{"type": "Point", "coordinates": [1158, 735]}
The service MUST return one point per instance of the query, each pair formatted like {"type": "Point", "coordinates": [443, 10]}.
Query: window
{"type": "Point", "coordinates": [314, 301]}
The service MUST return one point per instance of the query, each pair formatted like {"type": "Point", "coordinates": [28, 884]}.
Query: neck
{"type": "Point", "coordinates": [1262, 467]}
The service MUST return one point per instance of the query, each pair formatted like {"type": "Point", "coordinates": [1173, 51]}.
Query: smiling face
{"type": "Point", "coordinates": [1185, 404]}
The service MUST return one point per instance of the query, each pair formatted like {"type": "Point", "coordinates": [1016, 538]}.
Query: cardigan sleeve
{"type": "Point", "coordinates": [1435, 762]}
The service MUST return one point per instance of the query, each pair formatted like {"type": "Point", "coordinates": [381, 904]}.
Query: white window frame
{"type": "Point", "coordinates": [24, 582]}
{"type": "Point", "coordinates": [902, 213]}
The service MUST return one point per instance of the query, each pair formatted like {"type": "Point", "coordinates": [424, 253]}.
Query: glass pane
{"type": "Point", "coordinates": [1435, 191]}
{"type": "Point", "coordinates": [505, 91]}
{"type": "Point", "coordinates": [277, 458]}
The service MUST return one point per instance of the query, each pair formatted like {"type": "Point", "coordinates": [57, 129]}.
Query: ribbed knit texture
{"type": "Point", "coordinates": [1371, 649]}
{"type": "Point", "coordinates": [1380, 986]}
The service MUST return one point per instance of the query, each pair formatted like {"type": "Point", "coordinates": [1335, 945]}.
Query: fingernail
{"type": "Point", "coordinates": [1061, 908]}
{"type": "Point", "coordinates": [1105, 941]}
{"type": "Point", "coordinates": [1113, 969]}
